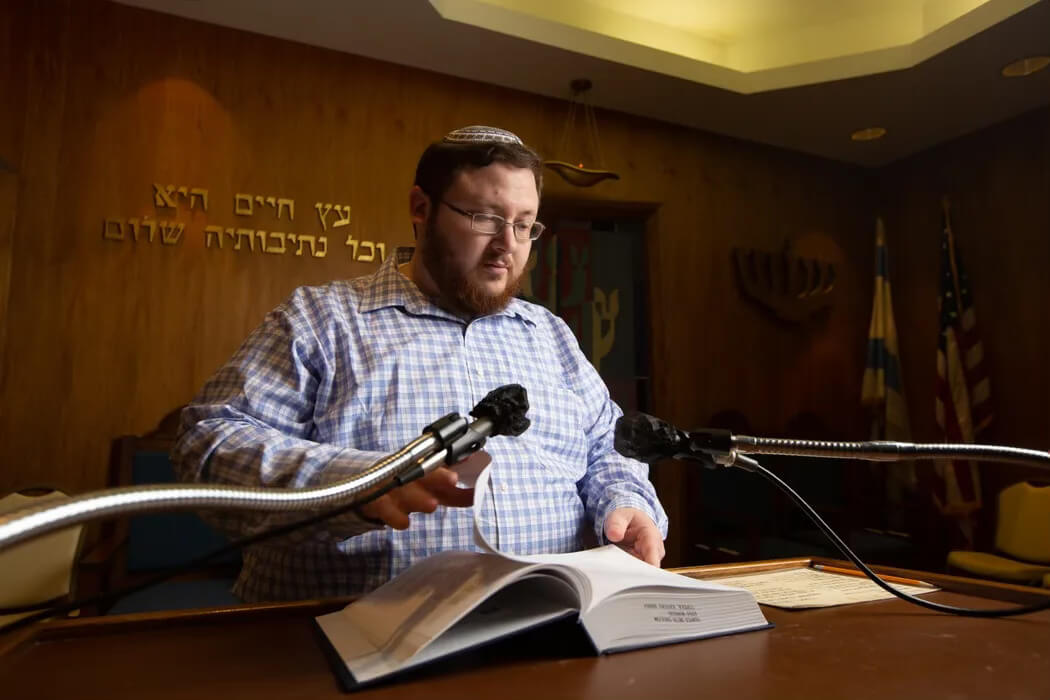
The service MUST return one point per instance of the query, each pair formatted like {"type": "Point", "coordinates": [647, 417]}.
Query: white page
{"type": "Point", "coordinates": [602, 571]}
{"type": "Point", "coordinates": [644, 616]}
{"type": "Point", "coordinates": [526, 603]}
{"type": "Point", "coordinates": [401, 617]}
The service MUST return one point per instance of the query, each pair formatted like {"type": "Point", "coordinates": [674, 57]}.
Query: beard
{"type": "Point", "coordinates": [457, 288]}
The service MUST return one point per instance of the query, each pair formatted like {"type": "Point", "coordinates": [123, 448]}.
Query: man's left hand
{"type": "Point", "coordinates": [635, 533]}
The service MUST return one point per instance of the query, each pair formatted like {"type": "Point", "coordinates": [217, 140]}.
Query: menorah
{"type": "Point", "coordinates": [792, 287]}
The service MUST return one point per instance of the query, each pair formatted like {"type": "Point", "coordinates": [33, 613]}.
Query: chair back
{"type": "Point", "coordinates": [155, 542]}
{"type": "Point", "coordinates": [1023, 529]}
{"type": "Point", "coordinates": [41, 569]}
{"type": "Point", "coordinates": [142, 545]}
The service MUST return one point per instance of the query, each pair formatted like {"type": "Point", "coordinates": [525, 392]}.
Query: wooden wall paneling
{"type": "Point", "coordinates": [38, 74]}
{"type": "Point", "coordinates": [105, 338]}
{"type": "Point", "coordinates": [13, 70]}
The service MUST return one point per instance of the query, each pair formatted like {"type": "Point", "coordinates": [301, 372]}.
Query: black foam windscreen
{"type": "Point", "coordinates": [506, 407]}
{"type": "Point", "coordinates": [647, 438]}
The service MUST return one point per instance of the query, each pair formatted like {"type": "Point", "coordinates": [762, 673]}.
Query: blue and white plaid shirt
{"type": "Point", "coordinates": [343, 374]}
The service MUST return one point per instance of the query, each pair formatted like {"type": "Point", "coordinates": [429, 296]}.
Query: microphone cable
{"type": "Point", "coordinates": [748, 464]}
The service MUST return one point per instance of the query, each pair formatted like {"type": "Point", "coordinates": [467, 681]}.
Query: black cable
{"type": "Point", "coordinates": [109, 597]}
{"type": "Point", "coordinates": [750, 464]}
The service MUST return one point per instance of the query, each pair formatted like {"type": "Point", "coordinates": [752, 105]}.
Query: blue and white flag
{"type": "Point", "coordinates": [883, 388]}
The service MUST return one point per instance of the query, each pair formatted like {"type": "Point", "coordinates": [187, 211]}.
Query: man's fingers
{"type": "Point", "coordinates": [649, 545]}
{"type": "Point", "coordinates": [441, 483]}
{"type": "Point", "coordinates": [616, 525]}
{"type": "Point", "coordinates": [384, 508]}
{"type": "Point", "coordinates": [636, 533]}
{"type": "Point", "coordinates": [421, 496]}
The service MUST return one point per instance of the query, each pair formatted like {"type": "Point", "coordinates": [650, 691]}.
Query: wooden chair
{"type": "Point", "coordinates": [131, 550]}
{"type": "Point", "coordinates": [1022, 535]}
{"type": "Point", "coordinates": [39, 570]}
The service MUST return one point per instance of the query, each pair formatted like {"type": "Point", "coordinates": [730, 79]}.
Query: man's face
{"type": "Point", "coordinates": [475, 272]}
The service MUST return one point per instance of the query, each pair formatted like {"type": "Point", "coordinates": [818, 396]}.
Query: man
{"type": "Point", "coordinates": [341, 375]}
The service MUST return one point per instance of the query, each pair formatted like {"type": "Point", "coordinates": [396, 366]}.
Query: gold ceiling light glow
{"type": "Point", "coordinates": [870, 134]}
{"type": "Point", "coordinates": [745, 46]}
{"type": "Point", "coordinates": [573, 171]}
{"type": "Point", "coordinates": [1025, 66]}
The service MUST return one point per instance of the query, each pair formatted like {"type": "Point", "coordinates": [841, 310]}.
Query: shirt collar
{"type": "Point", "coordinates": [389, 287]}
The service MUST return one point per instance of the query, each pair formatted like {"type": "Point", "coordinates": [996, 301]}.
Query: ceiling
{"type": "Point", "coordinates": [745, 46]}
{"type": "Point", "coordinates": [797, 74]}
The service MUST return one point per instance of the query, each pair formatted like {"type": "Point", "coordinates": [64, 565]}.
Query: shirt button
{"type": "Point", "coordinates": [503, 488]}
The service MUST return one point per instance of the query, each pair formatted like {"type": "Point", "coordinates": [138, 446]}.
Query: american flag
{"type": "Point", "coordinates": [963, 392]}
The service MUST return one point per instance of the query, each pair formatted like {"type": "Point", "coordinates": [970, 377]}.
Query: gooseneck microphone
{"type": "Point", "coordinates": [647, 439]}
{"type": "Point", "coordinates": [448, 440]}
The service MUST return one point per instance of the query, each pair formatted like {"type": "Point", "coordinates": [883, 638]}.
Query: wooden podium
{"type": "Point", "coordinates": [879, 650]}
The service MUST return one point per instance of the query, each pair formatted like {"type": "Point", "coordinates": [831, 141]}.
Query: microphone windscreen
{"type": "Point", "coordinates": [646, 438]}
{"type": "Point", "coordinates": [506, 407]}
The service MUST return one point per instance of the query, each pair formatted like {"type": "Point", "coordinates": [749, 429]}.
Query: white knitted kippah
{"type": "Point", "coordinates": [481, 134]}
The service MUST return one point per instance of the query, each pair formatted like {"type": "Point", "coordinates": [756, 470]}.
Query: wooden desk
{"type": "Point", "coordinates": [879, 650]}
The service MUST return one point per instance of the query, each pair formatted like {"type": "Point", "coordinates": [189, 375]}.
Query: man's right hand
{"type": "Point", "coordinates": [423, 495]}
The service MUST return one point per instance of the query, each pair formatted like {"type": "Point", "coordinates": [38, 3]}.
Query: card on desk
{"type": "Point", "coordinates": [807, 587]}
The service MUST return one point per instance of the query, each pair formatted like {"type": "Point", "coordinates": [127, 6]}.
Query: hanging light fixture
{"type": "Point", "coordinates": [574, 172]}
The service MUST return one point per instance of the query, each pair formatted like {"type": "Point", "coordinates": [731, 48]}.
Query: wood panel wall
{"type": "Point", "coordinates": [105, 338]}
{"type": "Point", "coordinates": [12, 118]}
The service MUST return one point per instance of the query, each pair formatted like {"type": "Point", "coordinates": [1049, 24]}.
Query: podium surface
{"type": "Point", "coordinates": [878, 650]}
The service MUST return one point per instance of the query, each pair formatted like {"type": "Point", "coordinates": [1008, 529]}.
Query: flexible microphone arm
{"type": "Point", "coordinates": [647, 438]}
{"type": "Point", "coordinates": [888, 451]}
{"type": "Point", "coordinates": [450, 439]}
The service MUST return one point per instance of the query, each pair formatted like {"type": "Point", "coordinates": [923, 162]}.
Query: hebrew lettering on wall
{"type": "Point", "coordinates": [249, 204]}
{"type": "Point", "coordinates": [342, 214]}
{"type": "Point", "coordinates": [113, 229]}
{"type": "Point", "coordinates": [240, 239]}
{"type": "Point", "coordinates": [142, 230]}
{"type": "Point", "coordinates": [167, 197]}
{"type": "Point", "coordinates": [273, 242]}
{"type": "Point", "coordinates": [365, 251]}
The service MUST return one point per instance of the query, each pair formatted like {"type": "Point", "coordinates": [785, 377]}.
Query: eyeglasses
{"type": "Point", "coordinates": [491, 224]}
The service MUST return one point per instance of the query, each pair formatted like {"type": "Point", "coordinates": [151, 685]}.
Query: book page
{"type": "Point", "coordinates": [600, 572]}
{"type": "Point", "coordinates": [610, 571]}
{"type": "Point", "coordinates": [528, 602]}
{"type": "Point", "coordinates": [401, 617]}
{"type": "Point", "coordinates": [645, 616]}
{"type": "Point", "coordinates": [809, 588]}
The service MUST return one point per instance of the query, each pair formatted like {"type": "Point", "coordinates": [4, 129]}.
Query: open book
{"type": "Point", "coordinates": [454, 601]}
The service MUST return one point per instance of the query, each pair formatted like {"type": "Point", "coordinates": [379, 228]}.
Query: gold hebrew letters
{"type": "Point", "coordinates": [358, 249]}
{"type": "Point", "coordinates": [244, 204]}
{"type": "Point", "coordinates": [273, 242]}
{"type": "Point", "coordinates": [166, 197]}
{"type": "Point", "coordinates": [114, 229]}
{"type": "Point", "coordinates": [239, 238]}
{"type": "Point", "coordinates": [342, 211]}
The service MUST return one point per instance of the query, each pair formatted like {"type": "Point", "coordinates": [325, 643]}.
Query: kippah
{"type": "Point", "coordinates": [481, 134]}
